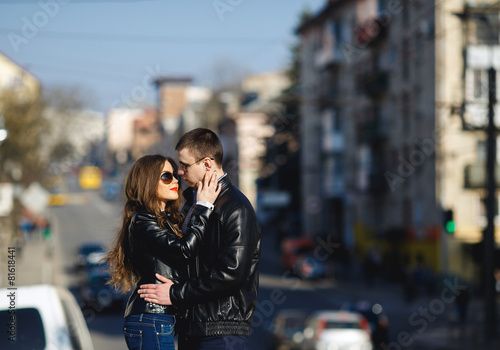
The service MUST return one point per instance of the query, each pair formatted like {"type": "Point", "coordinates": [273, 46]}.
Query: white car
{"type": "Point", "coordinates": [42, 317]}
{"type": "Point", "coordinates": [337, 330]}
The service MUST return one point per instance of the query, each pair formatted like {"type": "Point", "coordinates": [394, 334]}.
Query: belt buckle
{"type": "Point", "coordinates": [157, 308]}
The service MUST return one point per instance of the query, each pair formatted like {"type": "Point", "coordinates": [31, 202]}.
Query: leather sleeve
{"type": "Point", "coordinates": [148, 233]}
{"type": "Point", "coordinates": [232, 265]}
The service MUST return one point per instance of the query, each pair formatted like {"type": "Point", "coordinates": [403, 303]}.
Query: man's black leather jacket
{"type": "Point", "coordinates": [221, 294]}
{"type": "Point", "coordinates": [158, 250]}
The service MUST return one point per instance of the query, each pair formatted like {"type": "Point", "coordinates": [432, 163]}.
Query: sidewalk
{"type": "Point", "coordinates": [33, 263]}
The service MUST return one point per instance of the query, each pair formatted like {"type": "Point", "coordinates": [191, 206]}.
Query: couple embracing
{"type": "Point", "coordinates": [193, 269]}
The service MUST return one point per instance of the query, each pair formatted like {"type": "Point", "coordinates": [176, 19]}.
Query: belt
{"type": "Point", "coordinates": [153, 308]}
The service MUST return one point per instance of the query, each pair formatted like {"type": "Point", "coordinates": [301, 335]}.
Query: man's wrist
{"type": "Point", "coordinates": [205, 204]}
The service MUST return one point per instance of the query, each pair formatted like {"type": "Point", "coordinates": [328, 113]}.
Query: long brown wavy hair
{"type": "Point", "coordinates": [140, 189]}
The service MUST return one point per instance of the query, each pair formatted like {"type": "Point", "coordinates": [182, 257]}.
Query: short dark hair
{"type": "Point", "coordinates": [202, 143]}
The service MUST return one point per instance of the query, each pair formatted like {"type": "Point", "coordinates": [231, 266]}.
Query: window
{"type": "Point", "coordinates": [406, 59]}
{"type": "Point", "coordinates": [337, 33]}
{"type": "Point", "coordinates": [407, 212]}
{"type": "Point", "coordinates": [481, 151]}
{"type": "Point", "coordinates": [419, 47]}
{"type": "Point", "coordinates": [479, 84]}
{"type": "Point", "coordinates": [405, 112]}
{"type": "Point", "coordinates": [418, 102]}
{"type": "Point", "coordinates": [337, 120]}
{"type": "Point", "coordinates": [479, 30]}
{"type": "Point", "coordinates": [393, 54]}
{"type": "Point", "coordinates": [30, 334]}
{"type": "Point", "coordinates": [406, 12]}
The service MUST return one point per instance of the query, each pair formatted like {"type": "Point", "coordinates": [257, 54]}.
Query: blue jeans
{"type": "Point", "coordinates": [226, 342]}
{"type": "Point", "coordinates": [149, 331]}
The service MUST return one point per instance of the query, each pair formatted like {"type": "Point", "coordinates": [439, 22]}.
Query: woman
{"type": "Point", "coordinates": [150, 241]}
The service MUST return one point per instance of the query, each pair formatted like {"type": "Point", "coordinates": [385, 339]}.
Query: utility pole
{"type": "Point", "coordinates": [491, 206]}
{"type": "Point", "coordinates": [489, 232]}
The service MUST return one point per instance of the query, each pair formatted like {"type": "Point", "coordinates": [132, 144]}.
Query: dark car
{"type": "Point", "coordinates": [97, 293]}
{"type": "Point", "coordinates": [286, 329]}
{"type": "Point", "coordinates": [89, 254]}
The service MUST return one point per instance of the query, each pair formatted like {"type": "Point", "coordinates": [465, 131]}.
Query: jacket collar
{"type": "Point", "coordinates": [225, 184]}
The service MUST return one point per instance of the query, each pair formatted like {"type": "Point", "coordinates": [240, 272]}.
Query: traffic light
{"type": "Point", "coordinates": [449, 224]}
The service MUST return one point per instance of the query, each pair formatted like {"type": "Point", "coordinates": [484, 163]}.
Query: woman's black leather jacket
{"type": "Point", "coordinates": [158, 250]}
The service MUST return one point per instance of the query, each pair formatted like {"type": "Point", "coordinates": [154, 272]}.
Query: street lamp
{"type": "Point", "coordinates": [491, 146]}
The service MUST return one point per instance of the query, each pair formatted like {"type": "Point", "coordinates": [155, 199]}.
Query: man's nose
{"type": "Point", "coordinates": [180, 171]}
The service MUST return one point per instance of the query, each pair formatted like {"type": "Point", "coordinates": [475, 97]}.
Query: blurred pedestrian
{"type": "Point", "coordinates": [380, 336]}
{"type": "Point", "coordinates": [408, 284]}
{"type": "Point", "coordinates": [150, 241]}
{"type": "Point", "coordinates": [462, 303]}
{"type": "Point", "coordinates": [372, 265]}
{"type": "Point", "coordinates": [221, 294]}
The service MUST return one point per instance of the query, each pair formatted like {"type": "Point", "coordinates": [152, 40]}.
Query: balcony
{"type": "Point", "coordinates": [372, 31]}
{"type": "Point", "coordinates": [328, 57]}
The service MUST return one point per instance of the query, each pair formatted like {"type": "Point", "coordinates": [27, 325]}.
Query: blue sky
{"type": "Point", "coordinates": [111, 48]}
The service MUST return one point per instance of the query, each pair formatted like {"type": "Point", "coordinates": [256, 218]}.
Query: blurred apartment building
{"type": "Point", "coordinates": [384, 151]}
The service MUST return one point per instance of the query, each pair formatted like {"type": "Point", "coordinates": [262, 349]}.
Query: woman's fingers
{"type": "Point", "coordinates": [208, 187]}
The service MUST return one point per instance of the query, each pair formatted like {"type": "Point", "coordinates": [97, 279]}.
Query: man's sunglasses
{"type": "Point", "coordinates": [167, 177]}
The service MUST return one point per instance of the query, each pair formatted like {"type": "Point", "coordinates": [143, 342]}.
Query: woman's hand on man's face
{"type": "Point", "coordinates": [208, 188]}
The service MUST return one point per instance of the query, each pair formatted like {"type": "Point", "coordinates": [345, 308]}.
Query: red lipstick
{"type": "Point", "coordinates": [174, 189]}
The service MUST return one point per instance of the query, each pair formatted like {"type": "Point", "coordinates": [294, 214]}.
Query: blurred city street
{"type": "Point", "coordinates": [363, 133]}
{"type": "Point", "coordinates": [410, 327]}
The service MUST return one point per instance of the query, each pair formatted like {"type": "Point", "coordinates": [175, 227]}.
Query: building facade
{"type": "Point", "coordinates": [384, 150]}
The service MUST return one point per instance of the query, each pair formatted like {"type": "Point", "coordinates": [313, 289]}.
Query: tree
{"type": "Point", "coordinates": [64, 111]}
{"type": "Point", "coordinates": [32, 140]}
{"type": "Point", "coordinates": [19, 156]}
{"type": "Point", "coordinates": [226, 74]}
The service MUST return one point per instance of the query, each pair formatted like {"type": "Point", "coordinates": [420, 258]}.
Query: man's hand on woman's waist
{"type": "Point", "coordinates": [157, 293]}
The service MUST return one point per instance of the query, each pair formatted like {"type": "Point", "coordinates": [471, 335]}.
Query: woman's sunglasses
{"type": "Point", "coordinates": [167, 177]}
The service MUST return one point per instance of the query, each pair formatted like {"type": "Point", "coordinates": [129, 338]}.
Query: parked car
{"type": "Point", "coordinates": [97, 293]}
{"type": "Point", "coordinates": [42, 317]}
{"type": "Point", "coordinates": [336, 329]}
{"type": "Point", "coordinates": [88, 254]}
{"type": "Point", "coordinates": [310, 268]}
{"type": "Point", "coordinates": [298, 258]}
{"type": "Point", "coordinates": [295, 249]}
{"type": "Point", "coordinates": [286, 329]}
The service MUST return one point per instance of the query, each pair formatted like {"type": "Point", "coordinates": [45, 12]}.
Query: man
{"type": "Point", "coordinates": [221, 295]}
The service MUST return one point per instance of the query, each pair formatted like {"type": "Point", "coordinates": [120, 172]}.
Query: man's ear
{"type": "Point", "coordinates": [208, 164]}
